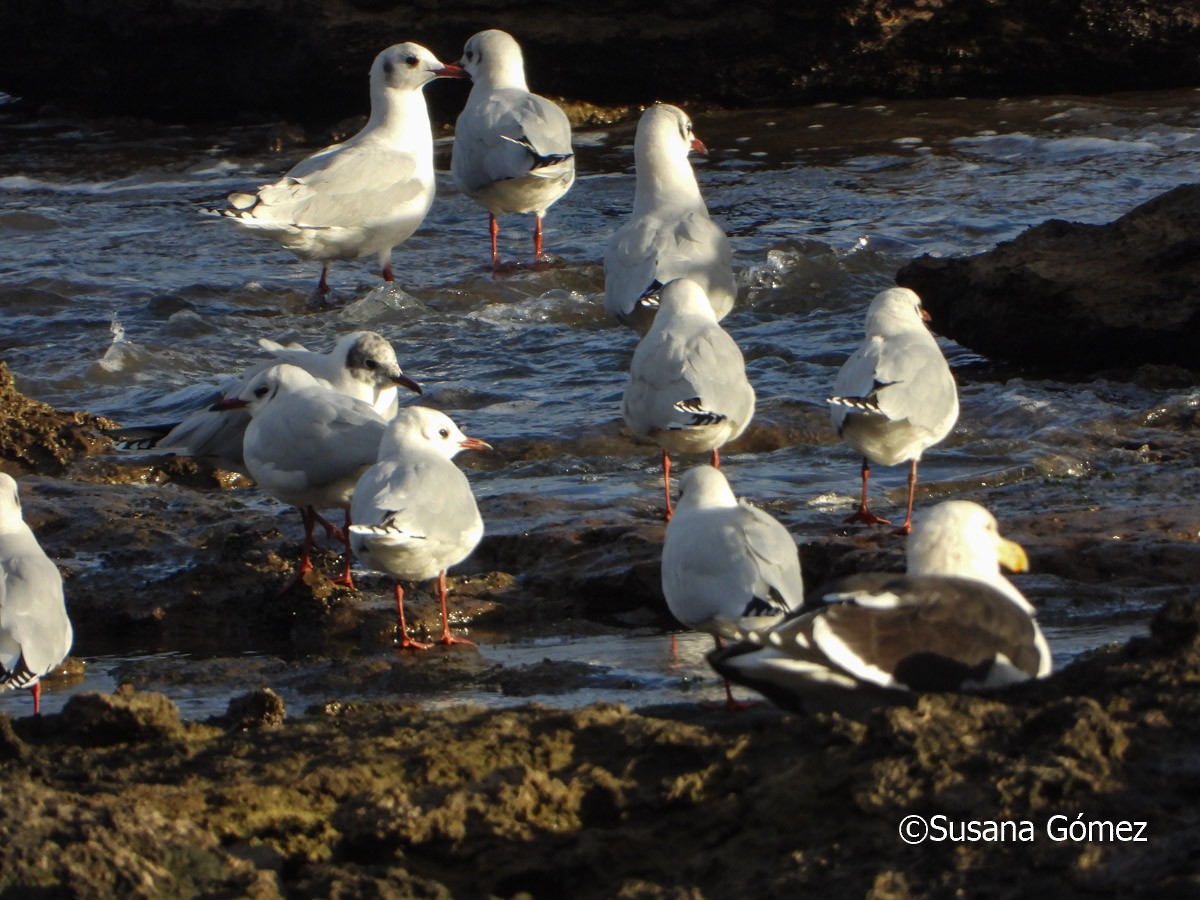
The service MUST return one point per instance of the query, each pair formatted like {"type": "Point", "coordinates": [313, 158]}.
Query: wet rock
{"type": "Point", "coordinates": [11, 746]}
{"type": "Point", "coordinates": [201, 59]}
{"type": "Point", "coordinates": [1067, 298]}
{"type": "Point", "coordinates": [35, 437]}
{"type": "Point", "coordinates": [258, 709]}
{"type": "Point", "coordinates": [126, 716]}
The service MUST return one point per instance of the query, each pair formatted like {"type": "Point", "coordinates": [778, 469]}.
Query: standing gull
{"type": "Point", "coordinates": [726, 564]}
{"type": "Point", "coordinates": [35, 633]}
{"type": "Point", "coordinates": [687, 388]}
{"type": "Point", "coordinates": [953, 622]}
{"type": "Point", "coordinates": [670, 234]}
{"type": "Point", "coordinates": [361, 364]}
{"type": "Point", "coordinates": [414, 511]}
{"type": "Point", "coordinates": [512, 149]}
{"type": "Point", "coordinates": [894, 397]}
{"type": "Point", "coordinates": [307, 445]}
{"type": "Point", "coordinates": [367, 194]}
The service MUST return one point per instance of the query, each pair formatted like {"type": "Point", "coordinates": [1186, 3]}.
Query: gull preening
{"type": "Point", "coordinates": [952, 622]}
{"type": "Point", "coordinates": [362, 365]}
{"type": "Point", "coordinates": [895, 396]}
{"type": "Point", "coordinates": [35, 632]}
{"type": "Point", "coordinates": [687, 389]}
{"type": "Point", "coordinates": [307, 445]}
{"type": "Point", "coordinates": [368, 194]}
{"type": "Point", "coordinates": [726, 564]}
{"type": "Point", "coordinates": [512, 148]}
{"type": "Point", "coordinates": [414, 513]}
{"type": "Point", "coordinates": [670, 234]}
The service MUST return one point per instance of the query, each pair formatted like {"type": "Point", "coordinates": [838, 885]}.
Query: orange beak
{"type": "Point", "coordinates": [472, 443]}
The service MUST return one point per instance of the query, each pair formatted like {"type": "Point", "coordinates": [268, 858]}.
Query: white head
{"type": "Point", "coordinates": [10, 503]}
{"type": "Point", "coordinates": [961, 538]}
{"type": "Point", "coordinates": [895, 310]}
{"type": "Point", "coordinates": [665, 132]}
{"type": "Point", "coordinates": [407, 67]}
{"type": "Point", "coordinates": [371, 359]}
{"type": "Point", "coordinates": [683, 297]}
{"type": "Point", "coordinates": [276, 381]}
{"type": "Point", "coordinates": [493, 59]}
{"type": "Point", "coordinates": [421, 428]}
{"type": "Point", "coordinates": [704, 487]}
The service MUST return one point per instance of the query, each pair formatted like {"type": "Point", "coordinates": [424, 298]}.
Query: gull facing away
{"type": "Point", "coordinates": [35, 633]}
{"type": "Point", "coordinates": [670, 234]}
{"type": "Point", "coordinates": [307, 445]}
{"type": "Point", "coordinates": [726, 564]}
{"type": "Point", "coordinates": [953, 622]}
{"type": "Point", "coordinates": [894, 397]}
{"type": "Point", "coordinates": [687, 389]}
{"type": "Point", "coordinates": [414, 513]}
{"type": "Point", "coordinates": [512, 149]}
{"type": "Point", "coordinates": [362, 365]}
{"type": "Point", "coordinates": [367, 194]}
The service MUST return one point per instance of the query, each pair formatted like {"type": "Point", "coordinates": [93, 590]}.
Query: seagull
{"type": "Point", "coordinates": [35, 633]}
{"type": "Point", "coordinates": [362, 364]}
{"type": "Point", "coordinates": [952, 622]}
{"type": "Point", "coordinates": [726, 564]}
{"type": "Point", "coordinates": [307, 445]}
{"type": "Point", "coordinates": [894, 397]}
{"type": "Point", "coordinates": [687, 388]}
{"type": "Point", "coordinates": [512, 149]}
{"type": "Point", "coordinates": [670, 234]}
{"type": "Point", "coordinates": [365, 195]}
{"type": "Point", "coordinates": [414, 513]}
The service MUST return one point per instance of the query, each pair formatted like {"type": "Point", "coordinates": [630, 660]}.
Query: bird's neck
{"type": "Point", "coordinates": [662, 182]}
{"type": "Point", "coordinates": [401, 118]}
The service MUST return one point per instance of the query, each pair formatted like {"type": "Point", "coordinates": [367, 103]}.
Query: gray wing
{"type": "Point", "coordinates": [775, 556]}
{"type": "Point", "coordinates": [348, 186]}
{"type": "Point", "coordinates": [511, 135]}
{"type": "Point", "coordinates": [426, 499]}
{"type": "Point", "coordinates": [904, 377]}
{"type": "Point", "coordinates": [35, 633]}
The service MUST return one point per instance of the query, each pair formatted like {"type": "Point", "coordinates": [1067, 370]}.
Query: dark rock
{"type": "Point", "coordinates": [1070, 298]}
{"type": "Point", "coordinates": [188, 60]}
{"type": "Point", "coordinates": [126, 716]}
{"type": "Point", "coordinates": [262, 708]}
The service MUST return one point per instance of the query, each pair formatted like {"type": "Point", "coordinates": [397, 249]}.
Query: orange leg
{"type": "Point", "coordinates": [387, 273]}
{"type": "Point", "coordinates": [405, 641]}
{"type": "Point", "coordinates": [906, 528]}
{"type": "Point", "coordinates": [36, 690]}
{"type": "Point", "coordinates": [348, 556]}
{"type": "Point", "coordinates": [537, 237]}
{"type": "Point", "coordinates": [862, 514]}
{"type": "Point", "coordinates": [716, 458]}
{"type": "Point", "coordinates": [447, 638]}
{"type": "Point", "coordinates": [494, 227]}
{"type": "Point", "coordinates": [666, 467]}
{"type": "Point", "coordinates": [309, 517]}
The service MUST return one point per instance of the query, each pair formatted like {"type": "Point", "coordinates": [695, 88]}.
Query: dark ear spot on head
{"type": "Point", "coordinates": [388, 68]}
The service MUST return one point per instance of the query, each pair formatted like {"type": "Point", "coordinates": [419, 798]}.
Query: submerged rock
{"type": "Point", "coordinates": [1070, 298]}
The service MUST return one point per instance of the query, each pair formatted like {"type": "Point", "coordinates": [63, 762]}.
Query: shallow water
{"type": "Point", "coordinates": [121, 298]}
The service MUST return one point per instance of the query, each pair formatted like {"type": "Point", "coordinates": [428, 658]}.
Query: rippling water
{"type": "Point", "coordinates": [120, 297]}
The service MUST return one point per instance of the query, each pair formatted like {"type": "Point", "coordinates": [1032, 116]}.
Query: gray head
{"type": "Point", "coordinates": [371, 359]}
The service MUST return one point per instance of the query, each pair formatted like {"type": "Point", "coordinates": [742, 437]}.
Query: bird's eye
{"type": "Point", "coordinates": [470, 55]}
{"type": "Point", "coordinates": [411, 61]}
{"type": "Point", "coordinates": [371, 364]}
{"type": "Point", "coordinates": [444, 432]}
{"type": "Point", "coordinates": [261, 392]}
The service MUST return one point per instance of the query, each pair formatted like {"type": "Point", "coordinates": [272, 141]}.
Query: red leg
{"type": "Point", "coordinates": [323, 287]}
{"type": "Point", "coordinates": [494, 227]}
{"type": "Point", "coordinates": [666, 467]}
{"type": "Point", "coordinates": [405, 641]}
{"type": "Point", "coordinates": [537, 236]}
{"type": "Point", "coordinates": [446, 637]}
{"type": "Point", "coordinates": [730, 704]}
{"type": "Point", "coordinates": [906, 528]}
{"type": "Point", "coordinates": [348, 555]}
{"type": "Point", "coordinates": [309, 516]}
{"type": "Point", "coordinates": [331, 531]}
{"type": "Point", "coordinates": [716, 458]}
{"type": "Point", "coordinates": [36, 690]}
{"type": "Point", "coordinates": [387, 273]}
{"type": "Point", "coordinates": [863, 514]}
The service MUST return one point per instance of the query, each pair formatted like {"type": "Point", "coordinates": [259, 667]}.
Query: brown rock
{"type": "Point", "coordinates": [1071, 298]}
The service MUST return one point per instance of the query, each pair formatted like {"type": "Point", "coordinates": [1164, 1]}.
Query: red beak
{"type": "Point", "coordinates": [925, 316]}
{"type": "Point", "coordinates": [450, 70]}
{"type": "Point", "coordinates": [228, 403]}
{"type": "Point", "coordinates": [698, 146]}
{"type": "Point", "coordinates": [472, 443]}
